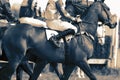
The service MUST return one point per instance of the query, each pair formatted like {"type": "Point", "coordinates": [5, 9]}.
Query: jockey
{"type": "Point", "coordinates": [27, 14]}
{"type": "Point", "coordinates": [6, 11]}
{"type": "Point", "coordinates": [54, 11]}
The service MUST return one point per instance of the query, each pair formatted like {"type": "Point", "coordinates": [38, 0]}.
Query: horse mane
{"type": "Point", "coordinates": [87, 10]}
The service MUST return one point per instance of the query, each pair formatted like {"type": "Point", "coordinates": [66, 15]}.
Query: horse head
{"type": "Point", "coordinates": [97, 11]}
{"type": "Point", "coordinates": [105, 16]}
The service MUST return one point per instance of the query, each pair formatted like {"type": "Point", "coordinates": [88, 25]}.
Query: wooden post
{"type": "Point", "coordinates": [114, 47]}
{"type": "Point", "coordinates": [110, 63]}
{"type": "Point", "coordinates": [118, 52]}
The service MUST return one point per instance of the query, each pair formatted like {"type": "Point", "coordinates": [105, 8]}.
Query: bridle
{"type": "Point", "coordinates": [88, 34]}
{"type": "Point", "coordinates": [108, 16]}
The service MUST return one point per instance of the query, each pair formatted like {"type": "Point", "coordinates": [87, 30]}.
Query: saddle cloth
{"type": "Point", "coordinates": [50, 33]}
{"type": "Point", "coordinates": [33, 22]}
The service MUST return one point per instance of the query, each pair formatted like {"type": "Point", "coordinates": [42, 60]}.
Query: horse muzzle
{"type": "Point", "coordinates": [113, 25]}
{"type": "Point", "coordinates": [113, 22]}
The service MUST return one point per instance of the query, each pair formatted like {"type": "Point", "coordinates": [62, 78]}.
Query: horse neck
{"type": "Point", "coordinates": [90, 16]}
{"type": "Point", "coordinates": [90, 20]}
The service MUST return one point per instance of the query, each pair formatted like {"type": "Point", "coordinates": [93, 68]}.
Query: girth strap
{"type": "Point", "coordinates": [87, 34]}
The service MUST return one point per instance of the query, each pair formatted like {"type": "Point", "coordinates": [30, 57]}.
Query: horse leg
{"type": "Point", "coordinates": [39, 66]}
{"type": "Point", "coordinates": [86, 68]}
{"type": "Point", "coordinates": [26, 67]}
{"type": "Point", "coordinates": [19, 73]}
{"type": "Point", "coordinates": [67, 69]}
{"type": "Point", "coordinates": [23, 66]}
{"type": "Point", "coordinates": [7, 71]}
{"type": "Point", "coordinates": [57, 70]}
{"type": "Point", "coordinates": [14, 57]}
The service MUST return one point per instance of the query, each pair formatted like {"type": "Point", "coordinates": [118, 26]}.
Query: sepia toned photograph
{"type": "Point", "coordinates": [59, 40]}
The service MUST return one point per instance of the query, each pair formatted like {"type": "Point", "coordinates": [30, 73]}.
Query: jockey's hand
{"type": "Point", "coordinates": [78, 19]}
{"type": "Point", "coordinates": [73, 19]}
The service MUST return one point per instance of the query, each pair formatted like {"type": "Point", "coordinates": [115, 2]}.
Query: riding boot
{"type": "Point", "coordinates": [55, 39]}
{"type": "Point", "coordinates": [10, 17]}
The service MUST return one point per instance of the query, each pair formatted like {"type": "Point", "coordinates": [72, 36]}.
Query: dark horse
{"type": "Point", "coordinates": [22, 37]}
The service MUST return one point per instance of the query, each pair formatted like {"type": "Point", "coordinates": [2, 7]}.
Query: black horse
{"type": "Point", "coordinates": [22, 37]}
{"type": "Point", "coordinates": [24, 64]}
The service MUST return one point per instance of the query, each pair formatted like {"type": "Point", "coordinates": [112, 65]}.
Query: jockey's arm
{"type": "Point", "coordinates": [63, 12]}
{"type": "Point", "coordinates": [66, 14]}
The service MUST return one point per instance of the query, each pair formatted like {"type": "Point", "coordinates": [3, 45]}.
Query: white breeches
{"type": "Point", "coordinates": [60, 25]}
{"type": "Point", "coordinates": [33, 22]}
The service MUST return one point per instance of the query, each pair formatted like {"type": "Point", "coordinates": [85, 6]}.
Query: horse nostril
{"type": "Point", "coordinates": [113, 25]}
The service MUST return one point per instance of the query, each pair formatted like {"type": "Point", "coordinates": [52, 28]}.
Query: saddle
{"type": "Point", "coordinates": [51, 33]}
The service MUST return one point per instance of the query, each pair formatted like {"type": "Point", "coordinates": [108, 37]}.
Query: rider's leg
{"type": "Point", "coordinates": [69, 29]}
{"type": "Point", "coordinates": [8, 12]}
{"type": "Point", "coordinates": [55, 39]}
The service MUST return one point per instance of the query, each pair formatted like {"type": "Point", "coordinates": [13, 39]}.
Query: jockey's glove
{"type": "Point", "coordinates": [78, 19]}
{"type": "Point", "coordinates": [73, 19]}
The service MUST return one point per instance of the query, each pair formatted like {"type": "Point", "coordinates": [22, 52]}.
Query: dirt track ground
{"type": "Point", "coordinates": [104, 75]}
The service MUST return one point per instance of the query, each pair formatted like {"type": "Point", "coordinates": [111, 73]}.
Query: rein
{"type": "Point", "coordinates": [87, 22]}
{"type": "Point", "coordinates": [85, 33]}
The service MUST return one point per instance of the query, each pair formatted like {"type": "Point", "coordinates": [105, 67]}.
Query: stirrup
{"type": "Point", "coordinates": [54, 41]}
